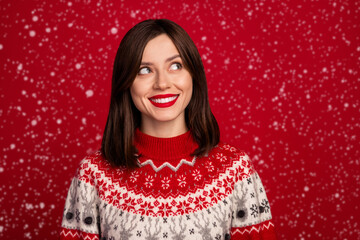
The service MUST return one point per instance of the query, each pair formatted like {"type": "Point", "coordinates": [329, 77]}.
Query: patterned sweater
{"type": "Point", "coordinates": [173, 195]}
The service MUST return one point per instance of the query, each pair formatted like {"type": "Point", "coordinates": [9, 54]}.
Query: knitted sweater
{"type": "Point", "coordinates": [173, 195]}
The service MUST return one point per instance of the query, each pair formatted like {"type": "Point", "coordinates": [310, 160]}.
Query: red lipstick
{"type": "Point", "coordinates": [164, 100]}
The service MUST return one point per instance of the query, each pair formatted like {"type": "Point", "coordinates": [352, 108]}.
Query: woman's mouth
{"type": "Point", "coordinates": [164, 101]}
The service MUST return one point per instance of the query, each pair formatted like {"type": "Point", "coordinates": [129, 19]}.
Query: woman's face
{"type": "Point", "coordinates": [162, 88]}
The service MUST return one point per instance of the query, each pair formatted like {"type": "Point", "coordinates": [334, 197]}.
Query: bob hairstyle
{"type": "Point", "coordinates": [117, 144]}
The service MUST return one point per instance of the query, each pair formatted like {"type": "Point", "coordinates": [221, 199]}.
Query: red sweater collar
{"type": "Point", "coordinates": [165, 149]}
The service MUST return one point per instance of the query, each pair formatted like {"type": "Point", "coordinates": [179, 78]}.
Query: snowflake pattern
{"type": "Point", "coordinates": [254, 210]}
{"type": "Point", "coordinates": [149, 181]}
{"type": "Point", "coordinates": [182, 181]}
{"type": "Point", "coordinates": [221, 157]}
{"type": "Point", "coordinates": [197, 175]}
{"type": "Point", "coordinates": [165, 183]}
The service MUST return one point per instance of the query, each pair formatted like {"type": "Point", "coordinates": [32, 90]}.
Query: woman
{"type": "Point", "coordinates": [161, 172]}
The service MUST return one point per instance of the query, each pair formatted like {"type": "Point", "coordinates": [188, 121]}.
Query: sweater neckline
{"type": "Point", "coordinates": [163, 150]}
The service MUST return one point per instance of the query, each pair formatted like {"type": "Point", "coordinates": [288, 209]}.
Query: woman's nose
{"type": "Point", "coordinates": [162, 81]}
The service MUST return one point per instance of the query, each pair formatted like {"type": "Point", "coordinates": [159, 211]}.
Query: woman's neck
{"type": "Point", "coordinates": [163, 129]}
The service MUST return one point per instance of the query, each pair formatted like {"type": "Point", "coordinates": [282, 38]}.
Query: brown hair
{"type": "Point", "coordinates": [117, 143]}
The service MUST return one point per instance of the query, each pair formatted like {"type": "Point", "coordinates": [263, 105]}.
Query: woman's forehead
{"type": "Point", "coordinates": [159, 48]}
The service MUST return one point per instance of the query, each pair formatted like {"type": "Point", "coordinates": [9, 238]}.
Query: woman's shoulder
{"type": "Point", "coordinates": [238, 158]}
{"type": "Point", "coordinates": [94, 159]}
{"type": "Point", "coordinates": [230, 150]}
{"type": "Point", "coordinates": [91, 165]}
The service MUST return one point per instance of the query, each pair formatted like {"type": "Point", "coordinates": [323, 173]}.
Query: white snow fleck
{"type": "Point", "coordinates": [1, 169]}
{"type": "Point", "coordinates": [114, 30]}
{"type": "Point", "coordinates": [89, 93]}
{"type": "Point", "coordinates": [12, 146]}
{"type": "Point", "coordinates": [83, 120]}
{"type": "Point", "coordinates": [35, 18]}
{"type": "Point", "coordinates": [1, 46]}
{"type": "Point", "coordinates": [47, 29]}
{"type": "Point", "coordinates": [306, 188]}
{"type": "Point", "coordinates": [59, 121]}
{"type": "Point", "coordinates": [42, 205]}
{"type": "Point", "coordinates": [33, 122]}
{"type": "Point", "coordinates": [28, 206]}
{"type": "Point", "coordinates": [32, 33]}
{"type": "Point", "coordinates": [78, 65]}
{"type": "Point", "coordinates": [20, 67]}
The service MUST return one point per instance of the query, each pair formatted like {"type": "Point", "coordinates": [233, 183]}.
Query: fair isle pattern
{"type": "Point", "coordinates": [166, 164]}
{"type": "Point", "coordinates": [208, 199]}
{"type": "Point", "coordinates": [77, 234]}
{"type": "Point", "coordinates": [206, 170]}
{"type": "Point", "coordinates": [257, 228]}
{"type": "Point", "coordinates": [122, 198]}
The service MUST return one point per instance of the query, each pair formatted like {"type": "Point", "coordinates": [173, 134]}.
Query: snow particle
{"type": "Point", "coordinates": [32, 33]}
{"type": "Point", "coordinates": [33, 122]}
{"type": "Point", "coordinates": [114, 30]}
{"type": "Point", "coordinates": [89, 93]}
{"type": "Point", "coordinates": [78, 65]}
{"type": "Point", "coordinates": [42, 205]}
{"type": "Point", "coordinates": [35, 18]}
{"type": "Point", "coordinates": [12, 146]}
{"type": "Point", "coordinates": [1, 169]}
{"type": "Point", "coordinates": [59, 121]}
{"type": "Point", "coordinates": [20, 67]}
{"type": "Point", "coordinates": [1, 47]}
{"type": "Point", "coordinates": [306, 188]}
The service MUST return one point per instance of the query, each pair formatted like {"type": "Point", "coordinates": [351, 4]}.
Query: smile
{"type": "Point", "coordinates": [163, 101]}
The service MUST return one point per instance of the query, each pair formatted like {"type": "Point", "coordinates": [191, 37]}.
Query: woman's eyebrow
{"type": "Point", "coordinates": [172, 58]}
{"type": "Point", "coordinates": [167, 60]}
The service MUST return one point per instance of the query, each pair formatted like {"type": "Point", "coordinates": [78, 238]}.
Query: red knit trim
{"type": "Point", "coordinates": [261, 231]}
{"type": "Point", "coordinates": [74, 234]}
{"type": "Point", "coordinates": [165, 149]}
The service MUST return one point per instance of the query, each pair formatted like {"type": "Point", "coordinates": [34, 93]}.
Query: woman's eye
{"type": "Point", "coordinates": [175, 66]}
{"type": "Point", "coordinates": [144, 70]}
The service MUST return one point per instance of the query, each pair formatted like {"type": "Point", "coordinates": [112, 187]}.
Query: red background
{"type": "Point", "coordinates": [283, 82]}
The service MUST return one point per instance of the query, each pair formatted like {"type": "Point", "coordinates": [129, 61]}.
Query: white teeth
{"type": "Point", "coordinates": [163, 100]}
